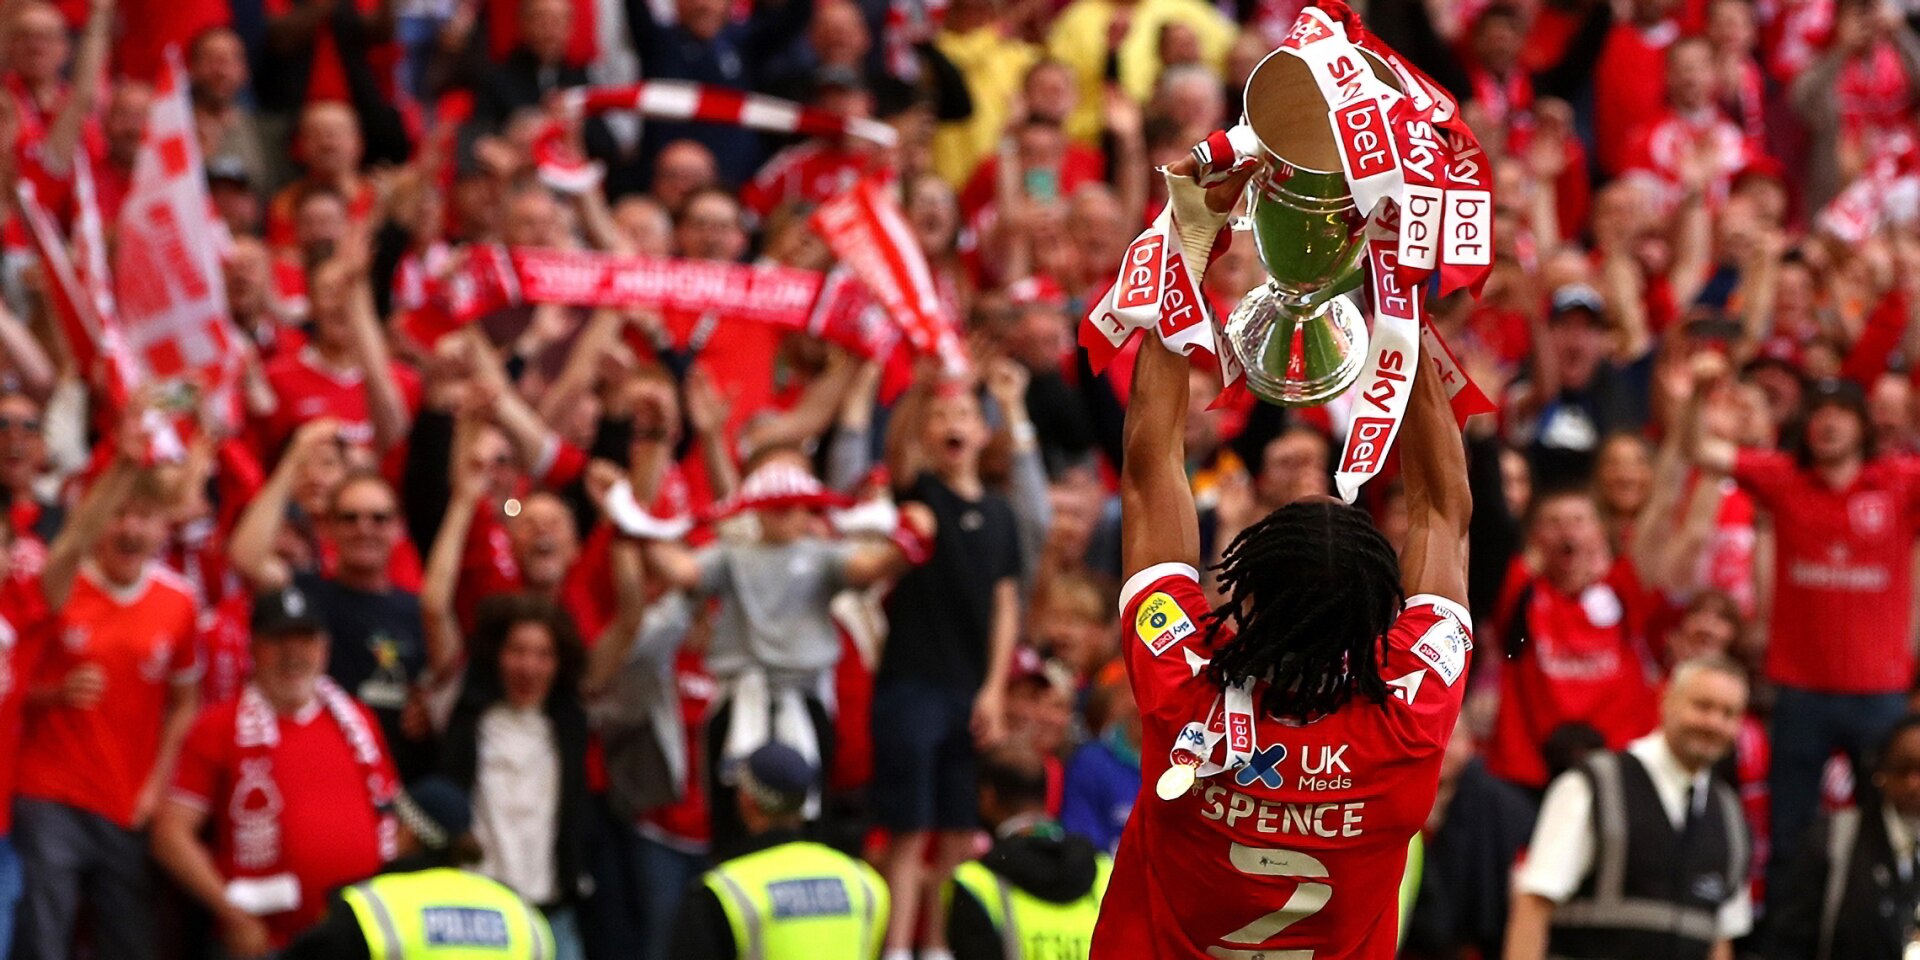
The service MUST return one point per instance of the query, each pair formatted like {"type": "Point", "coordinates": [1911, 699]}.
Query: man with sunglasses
{"type": "Point", "coordinates": [379, 651]}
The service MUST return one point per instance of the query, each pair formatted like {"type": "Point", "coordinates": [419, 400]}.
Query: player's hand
{"type": "Point", "coordinates": [84, 686]}
{"type": "Point", "coordinates": [244, 935]}
{"type": "Point", "coordinates": [1221, 196]}
{"type": "Point", "coordinates": [989, 716]}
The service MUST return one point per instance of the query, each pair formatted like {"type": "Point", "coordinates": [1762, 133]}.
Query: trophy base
{"type": "Point", "coordinates": [1297, 356]}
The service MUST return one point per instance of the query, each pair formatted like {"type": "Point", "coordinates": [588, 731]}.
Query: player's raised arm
{"type": "Point", "coordinates": [1433, 465]}
{"type": "Point", "coordinates": [1158, 522]}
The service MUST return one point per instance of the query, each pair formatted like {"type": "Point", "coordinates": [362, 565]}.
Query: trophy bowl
{"type": "Point", "coordinates": [1300, 340]}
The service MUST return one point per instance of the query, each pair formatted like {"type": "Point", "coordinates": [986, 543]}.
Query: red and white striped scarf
{"type": "Point", "coordinates": [680, 100]}
{"type": "Point", "coordinates": [253, 810]}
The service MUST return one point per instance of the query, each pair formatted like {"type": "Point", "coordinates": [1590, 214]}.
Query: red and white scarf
{"type": "Point", "coordinates": [855, 306]}
{"type": "Point", "coordinates": [680, 100]}
{"type": "Point", "coordinates": [253, 809]}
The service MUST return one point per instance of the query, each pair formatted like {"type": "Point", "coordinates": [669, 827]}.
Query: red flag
{"type": "Point", "coordinates": [865, 228]}
{"type": "Point", "coordinates": [168, 283]}
{"type": "Point", "coordinates": [95, 349]}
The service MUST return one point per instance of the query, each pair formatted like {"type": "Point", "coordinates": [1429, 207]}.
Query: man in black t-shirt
{"type": "Point", "coordinates": [379, 651]}
{"type": "Point", "coordinates": [952, 625]}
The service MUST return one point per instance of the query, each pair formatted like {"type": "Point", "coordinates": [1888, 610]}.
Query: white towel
{"type": "Point", "coordinates": [762, 714]}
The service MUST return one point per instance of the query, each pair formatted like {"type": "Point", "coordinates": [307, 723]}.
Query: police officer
{"type": "Point", "coordinates": [1642, 853]}
{"type": "Point", "coordinates": [1036, 894]}
{"type": "Point", "coordinates": [783, 898]}
{"type": "Point", "coordinates": [424, 905]}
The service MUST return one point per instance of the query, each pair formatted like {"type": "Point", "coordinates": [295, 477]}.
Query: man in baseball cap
{"type": "Point", "coordinates": [1593, 378]}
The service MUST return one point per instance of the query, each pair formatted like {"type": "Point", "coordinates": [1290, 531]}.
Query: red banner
{"type": "Point", "coordinates": [836, 307]}
{"type": "Point", "coordinates": [764, 293]}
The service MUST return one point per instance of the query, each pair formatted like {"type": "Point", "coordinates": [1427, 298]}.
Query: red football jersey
{"type": "Point", "coordinates": [1300, 851]}
{"type": "Point", "coordinates": [1842, 559]}
{"type": "Point", "coordinates": [316, 791]}
{"type": "Point", "coordinates": [142, 637]}
{"type": "Point", "coordinates": [24, 616]}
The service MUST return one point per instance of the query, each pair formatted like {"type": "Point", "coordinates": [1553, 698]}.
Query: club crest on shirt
{"type": "Point", "coordinates": [1871, 513]}
{"type": "Point", "coordinates": [1444, 648]}
{"type": "Point", "coordinates": [1602, 606]}
{"type": "Point", "coordinates": [1161, 623]}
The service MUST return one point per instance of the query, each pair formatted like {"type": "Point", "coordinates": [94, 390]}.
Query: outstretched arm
{"type": "Point", "coordinates": [1158, 521]}
{"type": "Point", "coordinates": [1433, 464]}
{"type": "Point", "coordinates": [438, 612]}
{"type": "Point", "coordinates": [83, 100]}
{"type": "Point", "coordinates": [251, 546]}
{"type": "Point", "coordinates": [95, 512]}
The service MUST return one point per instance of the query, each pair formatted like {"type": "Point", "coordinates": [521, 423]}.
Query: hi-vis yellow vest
{"type": "Point", "coordinates": [801, 901]}
{"type": "Point", "coordinates": [447, 914]}
{"type": "Point", "coordinates": [1031, 928]}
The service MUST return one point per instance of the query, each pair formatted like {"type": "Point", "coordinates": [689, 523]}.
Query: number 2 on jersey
{"type": "Point", "coordinates": [1308, 899]}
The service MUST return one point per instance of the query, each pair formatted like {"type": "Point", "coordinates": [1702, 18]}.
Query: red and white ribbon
{"type": "Point", "coordinates": [1358, 105]}
{"type": "Point", "coordinates": [1414, 170]}
{"type": "Point", "coordinates": [680, 100]}
{"type": "Point", "coordinates": [1432, 135]}
{"type": "Point", "coordinates": [1157, 291]}
{"type": "Point", "coordinates": [1393, 356]}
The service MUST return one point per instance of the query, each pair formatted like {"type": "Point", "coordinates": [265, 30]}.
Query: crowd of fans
{"type": "Point", "coordinates": [1708, 442]}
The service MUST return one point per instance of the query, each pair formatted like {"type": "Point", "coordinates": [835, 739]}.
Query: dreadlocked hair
{"type": "Point", "coordinates": [1311, 590]}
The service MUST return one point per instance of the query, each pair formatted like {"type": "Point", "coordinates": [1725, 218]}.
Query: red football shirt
{"type": "Point", "coordinates": [309, 388]}
{"type": "Point", "coordinates": [1629, 86]}
{"type": "Point", "coordinates": [1842, 591]}
{"type": "Point", "coordinates": [23, 619]}
{"type": "Point", "coordinates": [329, 833]}
{"type": "Point", "coordinates": [142, 637]}
{"type": "Point", "coordinates": [225, 649]}
{"type": "Point", "coordinates": [1582, 663]}
{"type": "Point", "coordinates": [1303, 848]}
{"type": "Point", "coordinates": [810, 172]}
